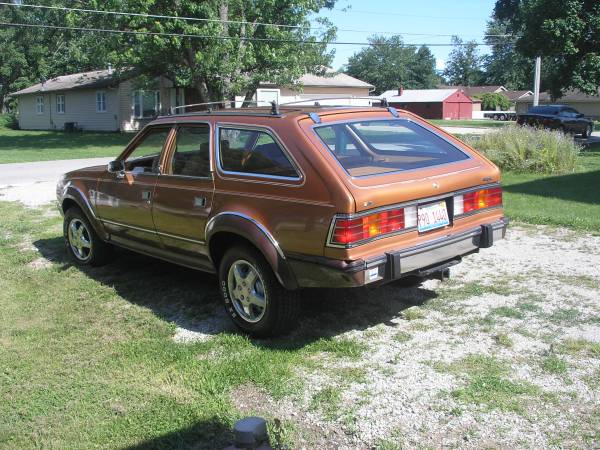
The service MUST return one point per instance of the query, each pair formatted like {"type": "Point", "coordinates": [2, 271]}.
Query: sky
{"type": "Point", "coordinates": [465, 18]}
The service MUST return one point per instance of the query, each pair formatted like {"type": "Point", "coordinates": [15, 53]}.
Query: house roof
{"type": "Point", "coordinates": [514, 95]}
{"type": "Point", "coordinates": [569, 96]}
{"type": "Point", "coordinates": [95, 79]}
{"type": "Point", "coordinates": [418, 95]}
{"type": "Point", "coordinates": [477, 90]}
{"type": "Point", "coordinates": [329, 79]}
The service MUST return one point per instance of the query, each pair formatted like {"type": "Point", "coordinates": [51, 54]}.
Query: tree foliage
{"type": "Point", "coordinates": [505, 66]}
{"type": "Point", "coordinates": [565, 33]}
{"type": "Point", "coordinates": [463, 67]}
{"type": "Point", "coordinates": [494, 101]}
{"type": "Point", "coordinates": [388, 63]}
{"type": "Point", "coordinates": [231, 50]}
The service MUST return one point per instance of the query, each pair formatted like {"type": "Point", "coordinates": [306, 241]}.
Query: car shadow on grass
{"type": "Point", "coordinates": [190, 299]}
{"type": "Point", "coordinates": [207, 434]}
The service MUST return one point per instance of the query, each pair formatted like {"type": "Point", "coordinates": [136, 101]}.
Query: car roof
{"type": "Point", "coordinates": [282, 112]}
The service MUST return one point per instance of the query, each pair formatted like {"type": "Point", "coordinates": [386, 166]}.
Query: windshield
{"type": "Point", "coordinates": [380, 146]}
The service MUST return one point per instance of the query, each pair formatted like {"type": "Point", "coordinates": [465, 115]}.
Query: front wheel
{"type": "Point", "coordinates": [588, 131]}
{"type": "Point", "coordinates": [82, 243]}
{"type": "Point", "coordinates": [253, 297]}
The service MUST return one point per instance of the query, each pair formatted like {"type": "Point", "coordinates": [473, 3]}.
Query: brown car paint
{"type": "Point", "coordinates": [295, 214]}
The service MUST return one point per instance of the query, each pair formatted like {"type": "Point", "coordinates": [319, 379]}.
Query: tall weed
{"type": "Point", "coordinates": [526, 149]}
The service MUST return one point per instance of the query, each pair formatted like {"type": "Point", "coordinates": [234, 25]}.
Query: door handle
{"type": "Point", "coordinates": [146, 195]}
{"type": "Point", "coordinates": [199, 202]}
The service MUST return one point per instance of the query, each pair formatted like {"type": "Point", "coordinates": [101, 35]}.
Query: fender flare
{"type": "Point", "coordinates": [256, 233]}
{"type": "Point", "coordinates": [74, 194]}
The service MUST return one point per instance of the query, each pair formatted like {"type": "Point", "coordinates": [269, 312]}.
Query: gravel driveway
{"type": "Point", "coordinates": [504, 355]}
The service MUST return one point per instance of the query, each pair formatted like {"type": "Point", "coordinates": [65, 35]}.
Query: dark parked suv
{"type": "Point", "coordinates": [558, 117]}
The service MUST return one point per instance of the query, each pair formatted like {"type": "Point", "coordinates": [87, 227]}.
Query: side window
{"type": "Point", "coordinates": [253, 152]}
{"type": "Point", "coordinates": [192, 152]}
{"type": "Point", "coordinates": [146, 154]}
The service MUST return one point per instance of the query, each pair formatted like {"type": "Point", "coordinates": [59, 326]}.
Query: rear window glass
{"type": "Point", "coordinates": [380, 146]}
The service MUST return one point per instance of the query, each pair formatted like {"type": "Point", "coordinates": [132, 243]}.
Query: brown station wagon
{"type": "Point", "coordinates": [278, 199]}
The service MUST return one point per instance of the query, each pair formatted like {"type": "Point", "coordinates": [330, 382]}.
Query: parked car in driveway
{"type": "Point", "coordinates": [276, 200]}
{"type": "Point", "coordinates": [558, 117]}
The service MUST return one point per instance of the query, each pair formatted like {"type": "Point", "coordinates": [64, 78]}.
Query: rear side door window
{"type": "Point", "coordinates": [253, 152]}
{"type": "Point", "coordinates": [191, 157]}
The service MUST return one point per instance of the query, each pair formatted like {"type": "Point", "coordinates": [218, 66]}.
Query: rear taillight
{"type": "Point", "coordinates": [476, 200]}
{"type": "Point", "coordinates": [349, 231]}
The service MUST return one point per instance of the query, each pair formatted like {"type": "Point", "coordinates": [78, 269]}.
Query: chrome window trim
{"type": "Point", "coordinates": [247, 175]}
{"type": "Point", "coordinates": [369, 212]}
{"type": "Point", "coordinates": [352, 177]}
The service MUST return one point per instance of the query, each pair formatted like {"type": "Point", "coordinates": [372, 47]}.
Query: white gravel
{"type": "Point", "coordinates": [406, 401]}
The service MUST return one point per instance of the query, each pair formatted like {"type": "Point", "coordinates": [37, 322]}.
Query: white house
{"type": "Point", "coordinates": [101, 100]}
{"type": "Point", "coordinates": [330, 85]}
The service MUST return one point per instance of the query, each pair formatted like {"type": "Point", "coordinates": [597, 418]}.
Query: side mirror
{"type": "Point", "coordinates": [116, 166]}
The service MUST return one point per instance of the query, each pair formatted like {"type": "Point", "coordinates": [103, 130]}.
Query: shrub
{"type": "Point", "coordinates": [9, 121]}
{"type": "Point", "coordinates": [525, 149]}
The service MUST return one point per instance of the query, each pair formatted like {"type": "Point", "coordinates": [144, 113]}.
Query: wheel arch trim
{"type": "Point", "coordinates": [256, 233]}
{"type": "Point", "coordinates": [73, 193]}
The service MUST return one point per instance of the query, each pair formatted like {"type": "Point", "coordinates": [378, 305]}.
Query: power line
{"type": "Point", "coordinates": [379, 13]}
{"type": "Point", "coordinates": [219, 37]}
{"type": "Point", "coordinates": [238, 22]}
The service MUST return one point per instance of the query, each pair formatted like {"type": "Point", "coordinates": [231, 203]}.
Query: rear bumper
{"type": "Point", "coordinates": [422, 260]}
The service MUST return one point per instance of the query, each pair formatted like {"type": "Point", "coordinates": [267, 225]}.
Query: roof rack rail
{"type": "Point", "coordinates": [317, 101]}
{"type": "Point", "coordinates": [208, 106]}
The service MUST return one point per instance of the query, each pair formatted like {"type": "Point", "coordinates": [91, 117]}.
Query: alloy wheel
{"type": "Point", "coordinates": [79, 239]}
{"type": "Point", "coordinates": [246, 288]}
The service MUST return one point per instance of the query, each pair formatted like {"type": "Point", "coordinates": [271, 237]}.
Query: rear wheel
{"type": "Point", "coordinates": [253, 297]}
{"type": "Point", "coordinates": [83, 244]}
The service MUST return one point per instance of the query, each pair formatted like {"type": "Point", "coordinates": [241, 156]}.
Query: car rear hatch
{"type": "Point", "coordinates": [405, 175]}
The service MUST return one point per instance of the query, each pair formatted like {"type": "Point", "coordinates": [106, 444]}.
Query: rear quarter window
{"type": "Point", "coordinates": [253, 152]}
{"type": "Point", "coordinates": [380, 146]}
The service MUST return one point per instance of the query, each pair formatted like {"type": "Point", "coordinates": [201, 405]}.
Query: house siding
{"type": "Point", "coordinates": [80, 107]}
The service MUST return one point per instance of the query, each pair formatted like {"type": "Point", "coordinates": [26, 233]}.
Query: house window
{"type": "Point", "coordinates": [100, 101]}
{"type": "Point", "coordinates": [39, 105]}
{"type": "Point", "coordinates": [60, 104]}
{"type": "Point", "coordinates": [146, 104]}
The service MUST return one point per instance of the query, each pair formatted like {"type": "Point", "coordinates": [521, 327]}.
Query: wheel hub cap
{"type": "Point", "coordinates": [79, 239]}
{"type": "Point", "coordinates": [247, 291]}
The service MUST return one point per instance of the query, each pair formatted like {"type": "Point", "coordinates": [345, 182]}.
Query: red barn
{"type": "Point", "coordinates": [432, 103]}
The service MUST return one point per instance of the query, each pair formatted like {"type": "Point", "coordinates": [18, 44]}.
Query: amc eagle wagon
{"type": "Point", "coordinates": [278, 199]}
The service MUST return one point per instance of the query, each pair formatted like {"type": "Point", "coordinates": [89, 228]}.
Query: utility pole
{"type": "Point", "coordinates": [536, 81]}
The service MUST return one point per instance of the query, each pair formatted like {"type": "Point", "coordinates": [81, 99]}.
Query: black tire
{"type": "Point", "coordinates": [588, 131]}
{"type": "Point", "coordinates": [95, 252]}
{"type": "Point", "coordinates": [281, 307]}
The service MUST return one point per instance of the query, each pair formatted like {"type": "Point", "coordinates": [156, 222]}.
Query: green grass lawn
{"type": "Point", "coordinates": [571, 200]}
{"type": "Point", "coordinates": [475, 123]}
{"type": "Point", "coordinates": [88, 360]}
{"type": "Point", "coordinates": [27, 146]}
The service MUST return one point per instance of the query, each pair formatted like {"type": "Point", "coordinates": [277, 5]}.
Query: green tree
{"type": "Point", "coordinates": [236, 53]}
{"type": "Point", "coordinates": [565, 33]}
{"type": "Point", "coordinates": [505, 66]}
{"type": "Point", "coordinates": [463, 67]}
{"type": "Point", "coordinates": [388, 63]}
{"type": "Point", "coordinates": [493, 102]}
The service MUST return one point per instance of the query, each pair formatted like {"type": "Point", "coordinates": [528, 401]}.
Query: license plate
{"type": "Point", "coordinates": [432, 216]}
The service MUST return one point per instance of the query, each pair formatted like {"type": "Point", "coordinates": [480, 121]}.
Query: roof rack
{"type": "Point", "coordinates": [275, 110]}
{"type": "Point", "coordinates": [208, 106]}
